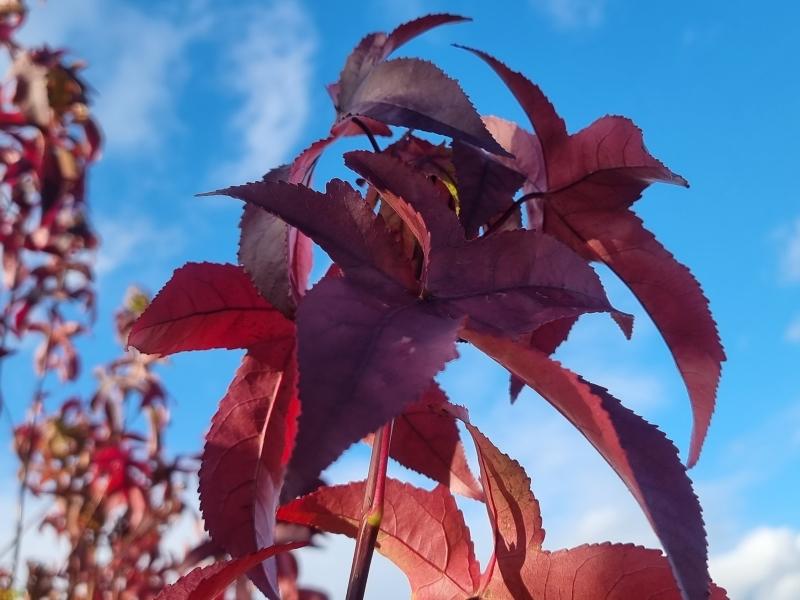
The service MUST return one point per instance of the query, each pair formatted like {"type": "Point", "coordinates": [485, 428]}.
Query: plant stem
{"type": "Point", "coordinates": [37, 400]}
{"type": "Point", "coordinates": [373, 513]}
{"type": "Point", "coordinates": [368, 133]}
{"type": "Point", "coordinates": [504, 217]}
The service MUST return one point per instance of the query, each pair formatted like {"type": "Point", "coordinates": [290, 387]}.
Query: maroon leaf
{"type": "Point", "coordinates": [349, 348]}
{"type": "Point", "coordinates": [207, 583]}
{"type": "Point", "coordinates": [591, 180]}
{"type": "Point", "coordinates": [642, 456]}
{"type": "Point", "coordinates": [417, 94]}
{"type": "Point", "coordinates": [426, 440]}
{"type": "Point", "coordinates": [276, 256]}
{"type": "Point", "coordinates": [486, 187]}
{"type": "Point", "coordinates": [268, 249]}
{"type": "Point", "coordinates": [514, 282]}
{"type": "Point", "coordinates": [339, 221]}
{"type": "Point", "coordinates": [94, 139]}
{"type": "Point", "coordinates": [207, 305]}
{"type": "Point", "coordinates": [375, 48]}
{"type": "Point", "coordinates": [369, 87]}
{"type": "Point", "coordinates": [433, 548]}
{"type": "Point", "coordinates": [421, 202]}
{"type": "Point", "coordinates": [245, 455]}
{"type": "Point", "coordinates": [511, 282]}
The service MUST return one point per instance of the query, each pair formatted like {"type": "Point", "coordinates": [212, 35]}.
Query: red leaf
{"type": "Point", "coordinates": [350, 128]}
{"type": "Point", "coordinates": [94, 139]}
{"type": "Point", "coordinates": [422, 532]}
{"type": "Point", "coordinates": [350, 345]}
{"type": "Point", "coordinates": [426, 440]}
{"type": "Point", "coordinates": [207, 583]}
{"type": "Point", "coordinates": [402, 34]}
{"type": "Point", "coordinates": [641, 455]}
{"type": "Point", "coordinates": [245, 455]}
{"type": "Point", "coordinates": [608, 571]}
{"type": "Point", "coordinates": [207, 305]}
{"type": "Point", "coordinates": [513, 512]}
{"type": "Point", "coordinates": [592, 179]}
{"type": "Point", "coordinates": [266, 249]}
{"type": "Point", "coordinates": [547, 339]}
{"type": "Point", "coordinates": [519, 568]}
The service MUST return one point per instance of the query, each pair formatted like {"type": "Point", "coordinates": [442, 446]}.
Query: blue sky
{"type": "Point", "coordinates": [197, 94]}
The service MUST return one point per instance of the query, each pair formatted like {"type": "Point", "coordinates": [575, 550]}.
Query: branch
{"type": "Point", "coordinates": [373, 513]}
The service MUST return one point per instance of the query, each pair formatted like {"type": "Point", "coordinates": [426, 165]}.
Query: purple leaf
{"type": "Point", "coordinates": [339, 221]}
{"type": "Point", "coordinates": [486, 187]}
{"type": "Point", "coordinates": [591, 180]}
{"type": "Point", "coordinates": [643, 457]}
{"type": "Point", "coordinates": [363, 358]}
{"type": "Point", "coordinates": [417, 94]}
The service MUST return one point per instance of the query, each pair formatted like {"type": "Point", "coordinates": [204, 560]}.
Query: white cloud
{"type": "Point", "coordinates": [764, 565]}
{"type": "Point", "coordinates": [573, 14]}
{"type": "Point", "coordinates": [792, 333]}
{"type": "Point", "coordinates": [135, 241]}
{"type": "Point", "coordinates": [135, 61]}
{"type": "Point", "coordinates": [270, 69]}
{"type": "Point", "coordinates": [39, 544]}
{"type": "Point", "coordinates": [326, 568]}
{"type": "Point", "coordinates": [790, 254]}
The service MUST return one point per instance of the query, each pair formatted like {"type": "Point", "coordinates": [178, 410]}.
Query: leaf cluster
{"type": "Point", "coordinates": [488, 238]}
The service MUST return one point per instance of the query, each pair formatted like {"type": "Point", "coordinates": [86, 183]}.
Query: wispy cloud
{"type": "Point", "coordinates": [792, 333]}
{"type": "Point", "coordinates": [137, 67]}
{"type": "Point", "coordinates": [573, 14]}
{"type": "Point", "coordinates": [135, 243]}
{"type": "Point", "coordinates": [789, 239]}
{"type": "Point", "coordinates": [270, 70]}
{"type": "Point", "coordinates": [764, 565]}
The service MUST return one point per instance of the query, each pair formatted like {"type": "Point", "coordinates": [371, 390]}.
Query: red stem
{"type": "Point", "coordinates": [373, 513]}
